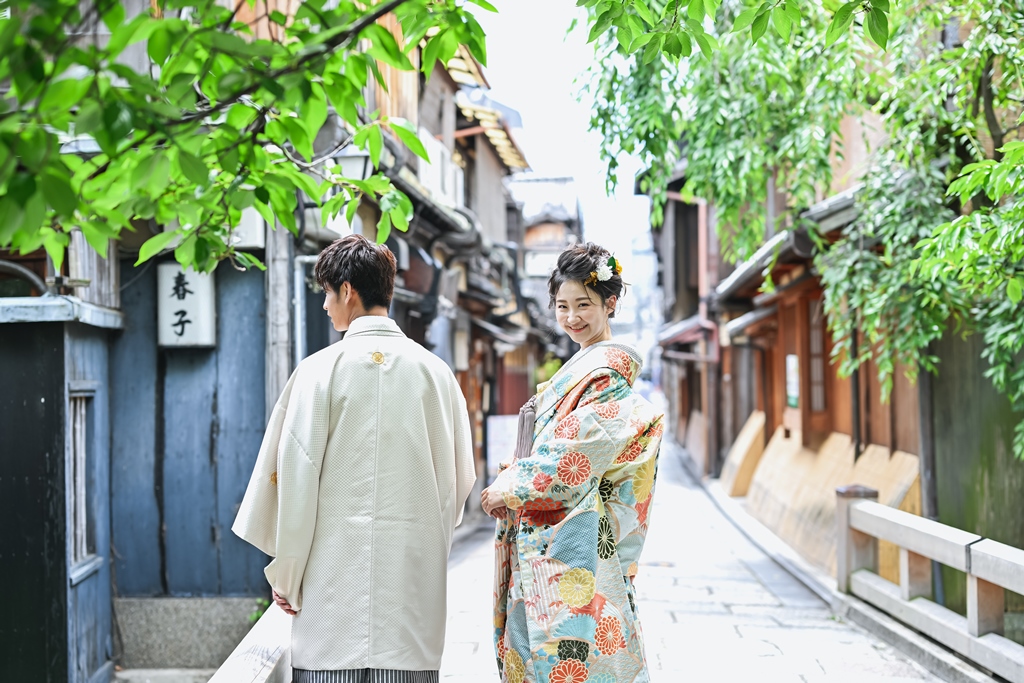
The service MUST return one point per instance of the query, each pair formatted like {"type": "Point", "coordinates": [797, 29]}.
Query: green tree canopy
{"type": "Point", "coordinates": [940, 238]}
{"type": "Point", "coordinates": [197, 115]}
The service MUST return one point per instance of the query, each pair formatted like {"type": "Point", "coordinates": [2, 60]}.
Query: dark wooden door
{"type": "Point", "coordinates": [33, 550]}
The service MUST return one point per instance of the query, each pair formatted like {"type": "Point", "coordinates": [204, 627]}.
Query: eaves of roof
{"type": "Point", "coordinates": [830, 214]}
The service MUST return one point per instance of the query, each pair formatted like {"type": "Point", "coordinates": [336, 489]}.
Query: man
{"type": "Point", "coordinates": [361, 480]}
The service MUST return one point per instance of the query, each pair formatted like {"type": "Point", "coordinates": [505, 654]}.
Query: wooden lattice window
{"type": "Point", "coordinates": [82, 541]}
{"type": "Point", "coordinates": [816, 347]}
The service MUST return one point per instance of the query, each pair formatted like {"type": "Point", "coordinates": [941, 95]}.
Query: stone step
{"type": "Point", "coordinates": [164, 675]}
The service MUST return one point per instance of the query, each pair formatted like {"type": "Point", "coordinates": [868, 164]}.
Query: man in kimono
{"type": "Point", "coordinates": [359, 484]}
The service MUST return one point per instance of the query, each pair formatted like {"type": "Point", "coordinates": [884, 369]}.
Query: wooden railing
{"type": "Point", "coordinates": [263, 656]}
{"type": "Point", "coordinates": [991, 568]}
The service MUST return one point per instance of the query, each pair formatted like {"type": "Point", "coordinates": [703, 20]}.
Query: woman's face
{"type": "Point", "coordinates": [581, 314]}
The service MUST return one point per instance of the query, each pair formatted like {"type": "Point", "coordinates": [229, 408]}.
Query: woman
{"type": "Point", "coordinates": [573, 506]}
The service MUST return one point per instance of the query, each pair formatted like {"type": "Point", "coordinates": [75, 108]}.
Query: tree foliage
{"type": "Point", "coordinates": [199, 110]}
{"type": "Point", "coordinates": [939, 243]}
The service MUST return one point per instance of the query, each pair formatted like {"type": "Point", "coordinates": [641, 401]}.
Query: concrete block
{"type": "Point", "coordinates": [181, 633]}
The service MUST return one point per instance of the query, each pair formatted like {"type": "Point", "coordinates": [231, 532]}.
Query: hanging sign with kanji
{"type": "Point", "coordinates": [186, 307]}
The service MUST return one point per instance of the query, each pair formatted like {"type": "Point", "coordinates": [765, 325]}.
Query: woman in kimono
{"type": "Point", "coordinates": [573, 506]}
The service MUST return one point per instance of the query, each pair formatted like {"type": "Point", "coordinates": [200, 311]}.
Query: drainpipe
{"type": "Point", "coordinates": [299, 304]}
{"type": "Point", "coordinates": [20, 271]}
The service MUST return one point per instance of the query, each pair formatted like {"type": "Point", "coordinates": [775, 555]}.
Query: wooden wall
{"type": "Point", "coordinates": [980, 483]}
{"type": "Point", "coordinates": [187, 426]}
{"type": "Point", "coordinates": [488, 197]}
{"type": "Point", "coordinates": [101, 272]}
{"type": "Point", "coordinates": [89, 614]}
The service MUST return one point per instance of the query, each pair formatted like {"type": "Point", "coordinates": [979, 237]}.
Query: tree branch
{"type": "Point", "coordinates": [339, 41]}
{"type": "Point", "coordinates": [991, 120]}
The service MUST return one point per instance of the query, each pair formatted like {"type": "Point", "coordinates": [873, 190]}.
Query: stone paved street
{"type": "Point", "coordinates": [712, 605]}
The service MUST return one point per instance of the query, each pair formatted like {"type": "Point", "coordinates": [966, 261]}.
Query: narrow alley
{"type": "Point", "coordinates": [713, 607]}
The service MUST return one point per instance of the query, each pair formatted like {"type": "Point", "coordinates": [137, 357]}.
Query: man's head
{"type": "Point", "coordinates": [358, 278]}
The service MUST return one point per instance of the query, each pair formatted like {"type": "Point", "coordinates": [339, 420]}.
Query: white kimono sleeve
{"type": "Point", "coordinates": [278, 512]}
{"type": "Point", "coordinates": [465, 463]}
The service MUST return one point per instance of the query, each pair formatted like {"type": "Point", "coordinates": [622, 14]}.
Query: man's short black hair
{"type": "Point", "coordinates": [369, 268]}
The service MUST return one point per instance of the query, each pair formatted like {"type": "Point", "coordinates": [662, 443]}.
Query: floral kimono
{"type": "Point", "coordinates": [578, 509]}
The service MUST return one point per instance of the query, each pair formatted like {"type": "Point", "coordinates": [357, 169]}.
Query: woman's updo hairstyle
{"type": "Point", "coordinates": [579, 263]}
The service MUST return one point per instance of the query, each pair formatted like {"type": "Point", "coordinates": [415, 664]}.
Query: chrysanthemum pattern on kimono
{"type": "Point", "coordinates": [578, 514]}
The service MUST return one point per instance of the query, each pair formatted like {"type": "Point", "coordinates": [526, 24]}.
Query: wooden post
{"type": "Point", "coordinates": [854, 549]}
{"type": "Point", "coordinates": [279, 314]}
{"type": "Point", "coordinates": [985, 606]}
{"type": "Point", "coordinates": [915, 575]}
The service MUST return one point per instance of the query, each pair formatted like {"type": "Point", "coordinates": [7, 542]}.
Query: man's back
{"type": "Point", "coordinates": [375, 443]}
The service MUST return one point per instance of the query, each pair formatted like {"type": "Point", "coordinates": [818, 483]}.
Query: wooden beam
{"type": "Point", "coordinates": [469, 132]}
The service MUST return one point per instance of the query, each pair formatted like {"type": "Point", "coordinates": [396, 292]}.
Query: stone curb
{"type": "Point", "coordinates": [929, 654]}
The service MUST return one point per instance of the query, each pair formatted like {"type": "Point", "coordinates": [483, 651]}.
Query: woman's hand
{"type": "Point", "coordinates": [492, 503]}
{"type": "Point", "coordinates": [283, 604]}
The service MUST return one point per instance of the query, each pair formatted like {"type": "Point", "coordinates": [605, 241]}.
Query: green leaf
{"type": "Point", "coordinates": [55, 242]}
{"type": "Point", "coordinates": [314, 111]}
{"type": "Point", "coordinates": [602, 24]}
{"type": "Point", "coordinates": [644, 11]}
{"type": "Point", "coordinates": [759, 26]}
{"type": "Point", "coordinates": [117, 121]}
{"type": "Point", "coordinates": [841, 22]}
{"type": "Point", "coordinates": [22, 187]}
{"type": "Point", "coordinates": [880, 4]}
{"type": "Point", "coordinates": [58, 193]}
{"type": "Point", "coordinates": [64, 94]}
{"type": "Point", "coordinates": [430, 55]}
{"type": "Point", "coordinates": [154, 245]}
{"type": "Point", "coordinates": [486, 5]}
{"type": "Point", "coordinates": [877, 26]}
{"type": "Point", "coordinates": [406, 132]}
{"type": "Point", "coordinates": [278, 18]}
{"type": "Point", "coordinates": [744, 20]}
{"type": "Point", "coordinates": [783, 24]}
{"type": "Point", "coordinates": [705, 46]}
{"type": "Point", "coordinates": [1014, 290]}
{"type": "Point", "coordinates": [97, 236]}
{"type": "Point", "coordinates": [696, 10]}
{"type": "Point", "coordinates": [11, 213]}
{"type": "Point", "coordinates": [193, 168]}
{"type": "Point", "coordinates": [298, 135]}
{"type": "Point", "coordinates": [383, 228]}
{"type": "Point", "coordinates": [159, 45]}
{"type": "Point", "coordinates": [90, 117]}
{"type": "Point", "coordinates": [375, 140]}
{"type": "Point", "coordinates": [653, 49]}
{"type": "Point", "coordinates": [113, 15]}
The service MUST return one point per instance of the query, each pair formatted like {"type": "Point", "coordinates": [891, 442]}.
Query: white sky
{"type": "Point", "coordinates": [533, 67]}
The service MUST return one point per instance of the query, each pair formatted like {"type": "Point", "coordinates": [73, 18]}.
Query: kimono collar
{"type": "Point", "coordinates": [374, 326]}
{"type": "Point", "coordinates": [622, 358]}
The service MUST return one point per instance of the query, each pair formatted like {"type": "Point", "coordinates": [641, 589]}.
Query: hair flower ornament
{"type": "Point", "coordinates": [604, 272]}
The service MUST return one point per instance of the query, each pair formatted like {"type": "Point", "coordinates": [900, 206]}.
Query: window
{"type": "Point", "coordinates": [817, 355]}
{"type": "Point", "coordinates": [83, 543]}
